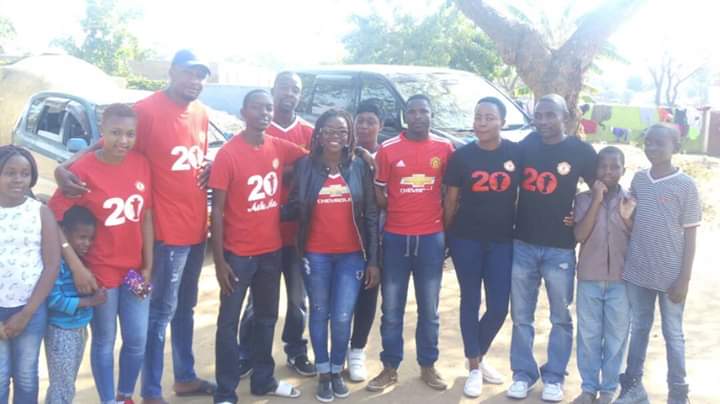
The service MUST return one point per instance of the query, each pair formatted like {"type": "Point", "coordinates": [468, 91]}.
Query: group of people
{"type": "Point", "coordinates": [342, 220]}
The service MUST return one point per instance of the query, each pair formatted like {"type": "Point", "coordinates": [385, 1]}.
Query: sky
{"type": "Point", "coordinates": [286, 33]}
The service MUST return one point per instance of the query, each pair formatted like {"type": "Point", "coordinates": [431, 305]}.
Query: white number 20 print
{"type": "Point", "coordinates": [188, 158]}
{"type": "Point", "coordinates": [123, 210]}
{"type": "Point", "coordinates": [263, 186]}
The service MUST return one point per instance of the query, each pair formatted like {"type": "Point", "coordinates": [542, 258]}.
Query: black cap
{"type": "Point", "coordinates": [187, 58]}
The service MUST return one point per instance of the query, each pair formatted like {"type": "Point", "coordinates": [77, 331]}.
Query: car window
{"type": "Point", "coordinates": [33, 115]}
{"type": "Point", "coordinates": [335, 92]}
{"type": "Point", "coordinates": [51, 118]}
{"type": "Point", "coordinates": [76, 123]}
{"type": "Point", "coordinates": [375, 89]}
{"type": "Point", "coordinates": [308, 82]}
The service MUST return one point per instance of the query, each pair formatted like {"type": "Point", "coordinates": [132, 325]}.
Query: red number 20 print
{"type": "Point", "coordinates": [498, 181]}
{"type": "Point", "coordinates": [544, 182]}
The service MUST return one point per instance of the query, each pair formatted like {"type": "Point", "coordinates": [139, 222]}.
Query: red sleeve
{"type": "Point", "coordinates": [289, 152]}
{"type": "Point", "coordinates": [142, 130]}
{"type": "Point", "coordinates": [383, 167]}
{"type": "Point", "coordinates": [221, 174]}
{"type": "Point", "coordinates": [59, 204]}
{"type": "Point", "coordinates": [307, 136]}
{"type": "Point", "coordinates": [206, 129]}
{"type": "Point", "coordinates": [148, 183]}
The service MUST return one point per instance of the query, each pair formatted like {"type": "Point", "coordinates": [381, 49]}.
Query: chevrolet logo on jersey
{"type": "Point", "coordinates": [335, 190]}
{"type": "Point", "coordinates": [418, 180]}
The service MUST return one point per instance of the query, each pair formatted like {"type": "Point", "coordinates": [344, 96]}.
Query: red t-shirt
{"type": "Point", "coordinates": [412, 173]}
{"type": "Point", "coordinates": [252, 177]}
{"type": "Point", "coordinates": [300, 133]}
{"type": "Point", "coordinates": [174, 140]}
{"type": "Point", "coordinates": [118, 198]}
{"type": "Point", "coordinates": [332, 226]}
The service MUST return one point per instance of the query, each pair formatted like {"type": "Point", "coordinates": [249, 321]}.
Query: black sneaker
{"type": "Point", "coordinates": [302, 365]}
{"type": "Point", "coordinates": [325, 389]}
{"type": "Point", "coordinates": [246, 368]}
{"type": "Point", "coordinates": [339, 387]}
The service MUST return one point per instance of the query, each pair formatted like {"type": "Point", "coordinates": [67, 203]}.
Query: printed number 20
{"type": "Point", "coordinates": [123, 210]}
{"type": "Point", "coordinates": [189, 158]}
{"type": "Point", "coordinates": [263, 186]}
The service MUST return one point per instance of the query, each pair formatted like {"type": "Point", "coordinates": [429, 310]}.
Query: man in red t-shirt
{"type": "Point", "coordinates": [408, 182]}
{"type": "Point", "coordinates": [172, 133]}
{"type": "Point", "coordinates": [247, 181]}
{"type": "Point", "coordinates": [288, 126]}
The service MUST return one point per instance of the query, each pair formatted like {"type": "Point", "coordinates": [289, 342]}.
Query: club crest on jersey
{"type": "Point", "coordinates": [509, 166]}
{"type": "Point", "coordinates": [564, 168]}
{"type": "Point", "coordinates": [140, 186]}
{"type": "Point", "coordinates": [435, 162]}
{"type": "Point", "coordinates": [275, 164]}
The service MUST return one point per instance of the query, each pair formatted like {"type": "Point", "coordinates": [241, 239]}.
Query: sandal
{"type": "Point", "coordinates": [205, 388]}
{"type": "Point", "coordinates": [286, 390]}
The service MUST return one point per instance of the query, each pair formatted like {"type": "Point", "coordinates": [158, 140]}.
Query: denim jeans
{"type": "Point", "coordinates": [556, 268]}
{"type": "Point", "coordinates": [295, 316]}
{"type": "Point", "coordinates": [260, 274]}
{"type": "Point", "coordinates": [333, 282]}
{"type": "Point", "coordinates": [176, 272]}
{"type": "Point", "coordinates": [603, 315]}
{"type": "Point", "coordinates": [19, 360]}
{"type": "Point", "coordinates": [423, 257]}
{"type": "Point", "coordinates": [642, 306]}
{"type": "Point", "coordinates": [133, 313]}
{"type": "Point", "coordinates": [481, 264]}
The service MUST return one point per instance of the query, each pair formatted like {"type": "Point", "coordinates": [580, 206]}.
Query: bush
{"type": "Point", "coordinates": [141, 83]}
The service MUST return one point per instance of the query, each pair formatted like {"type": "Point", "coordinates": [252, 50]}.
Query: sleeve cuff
{"type": "Point", "coordinates": [696, 224]}
{"type": "Point", "coordinates": [380, 183]}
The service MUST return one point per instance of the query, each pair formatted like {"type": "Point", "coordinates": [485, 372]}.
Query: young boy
{"type": "Point", "coordinates": [603, 224]}
{"type": "Point", "coordinates": [68, 312]}
{"type": "Point", "coordinates": [659, 262]}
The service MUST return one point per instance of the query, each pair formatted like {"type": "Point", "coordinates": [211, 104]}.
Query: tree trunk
{"type": "Point", "coordinates": [543, 69]}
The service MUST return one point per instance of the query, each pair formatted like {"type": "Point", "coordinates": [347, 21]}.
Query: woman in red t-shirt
{"type": "Point", "coordinates": [121, 257]}
{"type": "Point", "coordinates": [334, 202]}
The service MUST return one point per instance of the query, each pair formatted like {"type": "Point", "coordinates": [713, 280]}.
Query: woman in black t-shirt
{"type": "Point", "coordinates": [482, 180]}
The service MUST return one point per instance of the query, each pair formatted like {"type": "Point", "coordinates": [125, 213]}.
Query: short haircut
{"type": "Point", "coordinates": [118, 110]}
{"type": "Point", "coordinates": [497, 103]}
{"type": "Point", "coordinates": [285, 73]}
{"type": "Point", "coordinates": [371, 105]}
{"type": "Point", "coordinates": [9, 150]}
{"type": "Point", "coordinates": [252, 93]}
{"type": "Point", "coordinates": [418, 97]}
{"type": "Point", "coordinates": [667, 128]}
{"type": "Point", "coordinates": [612, 150]}
{"type": "Point", "coordinates": [77, 215]}
{"type": "Point", "coordinates": [558, 100]}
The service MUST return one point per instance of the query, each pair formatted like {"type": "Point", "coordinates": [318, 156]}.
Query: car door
{"type": "Point", "coordinates": [375, 88]}
{"type": "Point", "coordinates": [331, 91]}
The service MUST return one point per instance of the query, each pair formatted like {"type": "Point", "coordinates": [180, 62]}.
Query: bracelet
{"type": "Point", "coordinates": [65, 245]}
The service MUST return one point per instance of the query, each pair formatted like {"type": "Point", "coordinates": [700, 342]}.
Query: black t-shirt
{"type": "Point", "coordinates": [488, 182]}
{"type": "Point", "coordinates": [548, 188]}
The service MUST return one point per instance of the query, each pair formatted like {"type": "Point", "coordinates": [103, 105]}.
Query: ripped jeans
{"type": "Point", "coordinates": [555, 267]}
{"type": "Point", "coordinates": [333, 282]}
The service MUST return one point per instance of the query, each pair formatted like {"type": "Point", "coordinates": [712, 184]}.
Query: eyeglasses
{"type": "Point", "coordinates": [335, 132]}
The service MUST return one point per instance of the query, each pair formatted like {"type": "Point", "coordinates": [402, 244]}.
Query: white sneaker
{"type": "Point", "coordinates": [490, 374]}
{"type": "Point", "coordinates": [553, 392]}
{"type": "Point", "coordinates": [519, 390]}
{"type": "Point", "coordinates": [474, 384]}
{"type": "Point", "coordinates": [356, 365]}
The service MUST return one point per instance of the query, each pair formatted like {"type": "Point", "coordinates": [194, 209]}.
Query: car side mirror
{"type": "Point", "coordinates": [76, 144]}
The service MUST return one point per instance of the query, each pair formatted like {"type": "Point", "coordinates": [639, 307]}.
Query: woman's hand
{"type": "Point", "coordinates": [372, 277]}
{"type": "Point", "coordinates": [15, 325]}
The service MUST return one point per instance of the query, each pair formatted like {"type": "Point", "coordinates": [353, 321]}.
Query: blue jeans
{"type": "Point", "coordinates": [333, 284]}
{"type": "Point", "coordinates": [423, 257]}
{"type": "Point", "coordinates": [642, 306]}
{"type": "Point", "coordinates": [260, 274]}
{"type": "Point", "coordinates": [19, 360]}
{"type": "Point", "coordinates": [603, 314]}
{"type": "Point", "coordinates": [176, 272]}
{"type": "Point", "coordinates": [481, 264]}
{"type": "Point", "coordinates": [133, 313]}
{"type": "Point", "coordinates": [295, 316]}
{"type": "Point", "coordinates": [556, 267]}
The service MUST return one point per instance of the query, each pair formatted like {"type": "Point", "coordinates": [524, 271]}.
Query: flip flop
{"type": "Point", "coordinates": [205, 388]}
{"type": "Point", "coordinates": [286, 390]}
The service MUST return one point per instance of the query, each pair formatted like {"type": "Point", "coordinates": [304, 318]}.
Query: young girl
{"type": "Point", "coordinates": [334, 199]}
{"type": "Point", "coordinates": [119, 197]}
{"type": "Point", "coordinates": [29, 262]}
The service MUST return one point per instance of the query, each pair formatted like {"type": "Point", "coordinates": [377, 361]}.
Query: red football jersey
{"type": "Point", "coordinates": [300, 133]}
{"type": "Point", "coordinates": [332, 226]}
{"type": "Point", "coordinates": [252, 177]}
{"type": "Point", "coordinates": [412, 174]}
{"type": "Point", "coordinates": [118, 198]}
{"type": "Point", "coordinates": [174, 140]}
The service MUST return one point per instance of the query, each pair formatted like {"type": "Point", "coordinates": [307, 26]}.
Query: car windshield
{"type": "Point", "coordinates": [454, 95]}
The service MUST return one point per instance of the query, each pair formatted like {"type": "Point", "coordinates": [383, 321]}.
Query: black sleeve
{"type": "Point", "coordinates": [371, 215]}
{"type": "Point", "coordinates": [589, 156]}
{"type": "Point", "coordinates": [291, 210]}
{"type": "Point", "coordinates": [453, 174]}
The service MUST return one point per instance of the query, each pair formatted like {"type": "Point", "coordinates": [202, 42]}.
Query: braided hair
{"type": "Point", "coordinates": [8, 151]}
{"type": "Point", "coordinates": [316, 147]}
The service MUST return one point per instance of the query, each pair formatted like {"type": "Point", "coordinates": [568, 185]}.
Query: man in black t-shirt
{"type": "Point", "coordinates": [482, 179]}
{"type": "Point", "coordinates": [544, 246]}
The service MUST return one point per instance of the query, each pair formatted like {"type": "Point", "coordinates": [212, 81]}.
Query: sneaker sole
{"type": "Point", "coordinates": [493, 381]}
{"type": "Point", "coordinates": [551, 400]}
{"type": "Point", "coordinates": [324, 400]}
{"type": "Point", "coordinates": [378, 389]}
{"type": "Point", "coordinates": [247, 374]}
{"type": "Point", "coordinates": [300, 372]}
{"type": "Point", "coordinates": [527, 393]}
{"type": "Point", "coordinates": [338, 395]}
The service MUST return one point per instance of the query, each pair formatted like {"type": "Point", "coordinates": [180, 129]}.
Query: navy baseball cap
{"type": "Point", "coordinates": [187, 58]}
